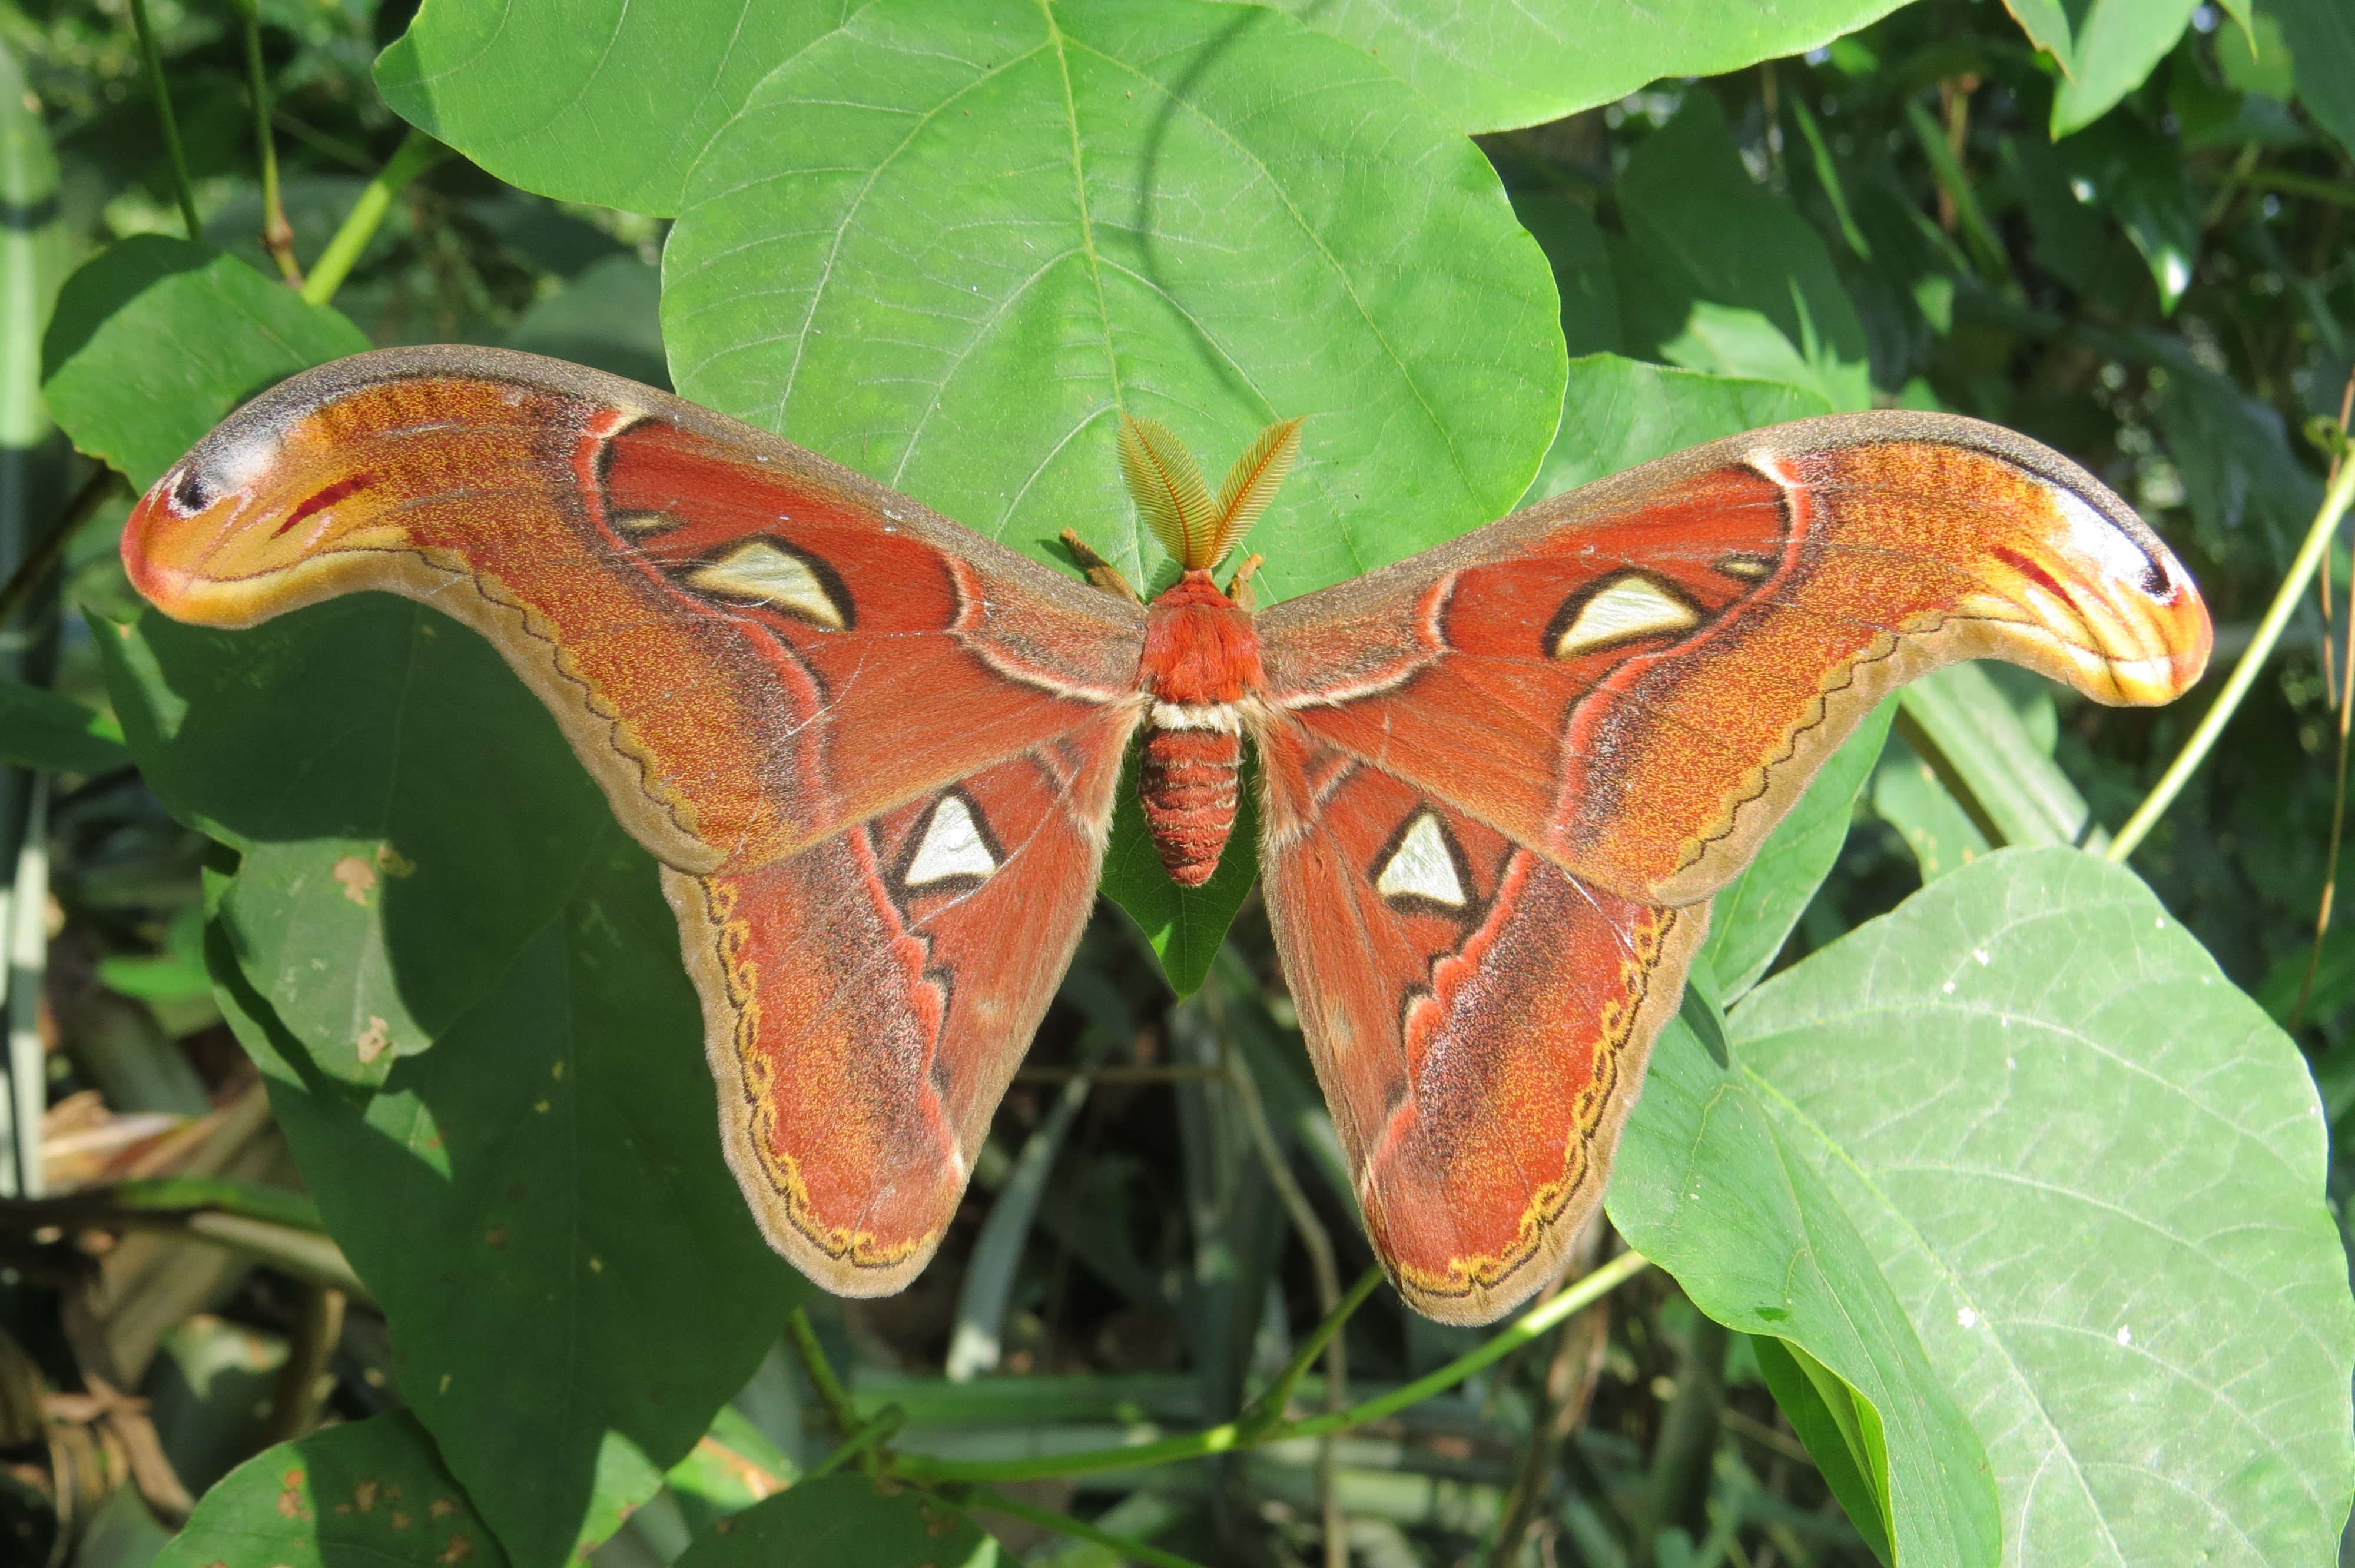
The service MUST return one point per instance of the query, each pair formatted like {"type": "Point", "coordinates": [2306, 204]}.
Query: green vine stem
{"type": "Point", "coordinates": [416, 153]}
{"type": "Point", "coordinates": [1266, 1412]}
{"type": "Point", "coordinates": [277, 234]}
{"type": "Point", "coordinates": [2307, 186]}
{"type": "Point", "coordinates": [49, 549]}
{"type": "Point", "coordinates": [2335, 500]}
{"type": "Point", "coordinates": [180, 185]}
{"type": "Point", "coordinates": [830, 1392]}
{"type": "Point", "coordinates": [2346, 705]}
{"type": "Point", "coordinates": [861, 1442]}
{"type": "Point", "coordinates": [1229, 1436]}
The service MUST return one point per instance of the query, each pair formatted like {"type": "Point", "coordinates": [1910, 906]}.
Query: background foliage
{"type": "Point", "coordinates": [364, 1200]}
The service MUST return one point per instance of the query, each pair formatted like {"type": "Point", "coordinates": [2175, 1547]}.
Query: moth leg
{"type": "Point", "coordinates": [1101, 572]}
{"type": "Point", "coordinates": [1239, 588]}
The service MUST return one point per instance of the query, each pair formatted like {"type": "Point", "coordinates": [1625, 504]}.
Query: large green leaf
{"type": "Point", "coordinates": [155, 339]}
{"type": "Point", "coordinates": [1710, 1185]}
{"type": "Point", "coordinates": [2093, 1172]}
{"type": "Point", "coordinates": [553, 1160]}
{"type": "Point", "coordinates": [406, 829]}
{"type": "Point", "coordinates": [1490, 67]}
{"type": "Point", "coordinates": [594, 101]}
{"type": "Point", "coordinates": [372, 1491]}
{"type": "Point", "coordinates": [948, 242]}
{"type": "Point", "coordinates": [843, 1522]}
{"type": "Point", "coordinates": [945, 242]}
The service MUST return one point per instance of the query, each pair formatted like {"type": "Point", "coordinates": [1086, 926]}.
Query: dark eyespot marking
{"type": "Point", "coordinates": [192, 494]}
{"type": "Point", "coordinates": [2122, 553]}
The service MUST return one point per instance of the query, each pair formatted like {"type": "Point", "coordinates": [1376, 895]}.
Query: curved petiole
{"type": "Point", "coordinates": [2335, 500]}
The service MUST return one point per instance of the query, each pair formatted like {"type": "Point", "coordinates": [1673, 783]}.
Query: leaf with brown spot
{"type": "Point", "coordinates": [357, 876]}
{"type": "Point", "coordinates": [373, 1042]}
{"type": "Point", "coordinates": [369, 734]}
{"type": "Point", "coordinates": [256, 1514]}
{"type": "Point", "coordinates": [531, 933]}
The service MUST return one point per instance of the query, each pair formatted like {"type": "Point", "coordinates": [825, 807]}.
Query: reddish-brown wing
{"type": "Point", "coordinates": [865, 1000]}
{"type": "Point", "coordinates": [871, 746]}
{"type": "Point", "coordinates": [1504, 777]}
{"type": "Point", "coordinates": [750, 647]}
{"type": "Point", "coordinates": [1480, 1019]}
{"type": "Point", "coordinates": [1638, 679]}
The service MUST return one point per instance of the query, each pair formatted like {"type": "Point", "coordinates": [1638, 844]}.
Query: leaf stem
{"type": "Point", "coordinates": [830, 1392]}
{"type": "Point", "coordinates": [2346, 705]}
{"type": "Point", "coordinates": [1229, 1436]}
{"type": "Point", "coordinates": [1532, 1324]}
{"type": "Point", "coordinates": [294, 1399]}
{"type": "Point", "coordinates": [416, 153]}
{"type": "Point", "coordinates": [1320, 1257]}
{"type": "Point", "coordinates": [51, 547]}
{"type": "Point", "coordinates": [2306, 185]}
{"type": "Point", "coordinates": [890, 1419]}
{"type": "Point", "coordinates": [277, 234]}
{"type": "Point", "coordinates": [2335, 500]}
{"type": "Point", "coordinates": [1266, 1412]}
{"type": "Point", "coordinates": [1128, 1547]}
{"type": "Point", "coordinates": [180, 185]}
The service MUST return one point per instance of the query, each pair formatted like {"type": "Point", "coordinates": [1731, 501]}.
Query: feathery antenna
{"type": "Point", "coordinates": [1175, 503]}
